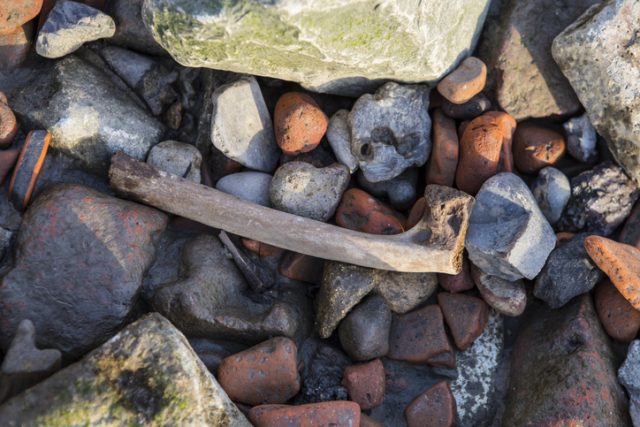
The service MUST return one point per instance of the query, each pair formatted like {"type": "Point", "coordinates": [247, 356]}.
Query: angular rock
{"type": "Point", "coordinates": [436, 407]}
{"type": "Point", "coordinates": [618, 317]}
{"type": "Point", "coordinates": [401, 191]}
{"type": "Point", "coordinates": [339, 137]}
{"type": "Point", "coordinates": [364, 332]}
{"type": "Point", "coordinates": [581, 139]}
{"type": "Point", "coordinates": [336, 413]}
{"type": "Point", "coordinates": [629, 376]}
{"type": "Point", "coordinates": [365, 383]}
{"type": "Point", "coordinates": [129, 32]}
{"type": "Point", "coordinates": [251, 186]}
{"type": "Point", "coordinates": [322, 369]}
{"type": "Point", "coordinates": [361, 212]}
{"type": "Point", "coordinates": [299, 123]}
{"type": "Point", "coordinates": [177, 158]}
{"type": "Point", "coordinates": [552, 191]}
{"type": "Point", "coordinates": [464, 82]}
{"type": "Point", "coordinates": [536, 147]}
{"type": "Point", "coordinates": [465, 315]}
{"type": "Point", "coordinates": [443, 161]}
{"type": "Point", "coordinates": [506, 297]}
{"type": "Point", "coordinates": [405, 291]}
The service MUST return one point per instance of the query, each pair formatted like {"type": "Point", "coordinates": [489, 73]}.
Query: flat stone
{"type": "Point", "coordinates": [506, 297]}
{"type": "Point", "coordinates": [336, 413]}
{"type": "Point", "coordinates": [365, 383]}
{"type": "Point", "coordinates": [401, 191]}
{"type": "Point", "coordinates": [177, 158]}
{"type": "Point", "coordinates": [360, 211]}
{"type": "Point", "coordinates": [364, 332]}
{"type": "Point", "coordinates": [536, 147]}
{"type": "Point", "coordinates": [618, 317]}
{"type": "Point", "coordinates": [323, 366]}
{"type": "Point", "coordinates": [552, 191]}
{"type": "Point", "coordinates": [339, 137]}
{"type": "Point", "coordinates": [629, 376]}
{"type": "Point", "coordinates": [471, 109]}
{"type": "Point", "coordinates": [443, 161]}
{"type": "Point", "coordinates": [436, 407]}
{"type": "Point", "coordinates": [250, 186]}
{"type": "Point", "coordinates": [465, 315]}
{"type": "Point", "coordinates": [464, 82]}
{"type": "Point", "coordinates": [581, 139]}
{"type": "Point", "coordinates": [299, 123]}
{"type": "Point", "coordinates": [419, 335]}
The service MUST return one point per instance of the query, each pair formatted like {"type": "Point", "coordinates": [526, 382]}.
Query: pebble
{"type": "Point", "coordinates": [339, 137]}
{"type": "Point", "coordinates": [416, 213]}
{"type": "Point", "coordinates": [367, 421]}
{"type": "Point", "coordinates": [535, 147]}
{"type": "Point", "coordinates": [16, 45]}
{"type": "Point", "coordinates": [262, 249]}
{"type": "Point", "coordinates": [8, 123]}
{"type": "Point", "coordinates": [629, 376]}
{"type": "Point", "coordinates": [400, 191]}
{"type": "Point", "coordinates": [323, 366]}
{"type": "Point", "coordinates": [304, 190]}
{"type": "Point", "coordinates": [485, 149]}
{"type": "Point", "coordinates": [365, 383]}
{"type": "Point", "coordinates": [581, 139]}
{"type": "Point", "coordinates": [506, 297]}
{"type": "Point", "coordinates": [129, 32]}
{"type": "Point", "coordinates": [304, 268]}
{"type": "Point", "coordinates": [464, 82]}
{"type": "Point", "coordinates": [250, 185]}
{"type": "Point", "coordinates": [457, 282]}
{"type": "Point", "coordinates": [443, 162]}
{"type": "Point", "coordinates": [404, 291]}
{"type": "Point", "coordinates": [391, 130]}
{"type": "Point", "coordinates": [299, 123]}
{"type": "Point", "coordinates": [69, 25]}
{"type": "Point", "coordinates": [177, 158]}
{"type": "Point", "coordinates": [471, 109]}
{"type": "Point", "coordinates": [28, 167]}
{"type": "Point", "coordinates": [17, 13]}
{"type": "Point", "coordinates": [436, 407]}
{"type": "Point", "coordinates": [508, 235]}
{"type": "Point", "coordinates": [618, 317]}
{"type": "Point", "coordinates": [213, 352]}
{"type": "Point", "coordinates": [465, 315]}
{"type": "Point", "coordinates": [8, 159]}
{"type": "Point", "coordinates": [364, 332]}
{"type": "Point", "coordinates": [241, 126]}
{"type": "Point", "coordinates": [630, 233]}
{"type": "Point", "coordinates": [552, 191]}
{"type": "Point", "coordinates": [334, 414]}
{"type": "Point", "coordinates": [361, 212]}
{"type": "Point", "coordinates": [263, 374]}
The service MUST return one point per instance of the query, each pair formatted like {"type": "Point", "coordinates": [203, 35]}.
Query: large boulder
{"type": "Point", "coordinates": [334, 46]}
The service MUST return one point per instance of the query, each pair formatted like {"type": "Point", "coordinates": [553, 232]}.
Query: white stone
{"type": "Point", "coordinates": [339, 138]}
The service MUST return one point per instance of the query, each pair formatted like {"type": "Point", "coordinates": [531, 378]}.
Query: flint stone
{"type": "Point", "coordinates": [581, 139]}
{"type": "Point", "coordinates": [321, 376]}
{"type": "Point", "coordinates": [598, 53]}
{"type": "Point", "coordinates": [146, 374]}
{"type": "Point", "coordinates": [401, 190]}
{"type": "Point", "coordinates": [339, 137]}
{"type": "Point", "coordinates": [391, 130]}
{"type": "Point", "coordinates": [506, 297]}
{"type": "Point", "coordinates": [508, 235]}
{"type": "Point", "coordinates": [552, 191]}
{"type": "Point", "coordinates": [314, 43]}
{"type": "Point", "coordinates": [177, 158]}
{"type": "Point", "coordinates": [250, 186]}
{"type": "Point", "coordinates": [364, 333]}
{"type": "Point", "coordinates": [629, 376]}
{"type": "Point", "coordinates": [80, 260]}
{"type": "Point", "coordinates": [129, 32]}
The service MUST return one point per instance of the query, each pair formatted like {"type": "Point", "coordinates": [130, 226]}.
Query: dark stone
{"type": "Point", "coordinates": [466, 317]}
{"type": "Point", "coordinates": [469, 110]}
{"type": "Point", "coordinates": [364, 333]}
{"type": "Point", "coordinates": [211, 352]}
{"type": "Point", "coordinates": [323, 367]}
{"type": "Point", "coordinates": [130, 30]}
{"type": "Point", "coordinates": [27, 168]}
{"type": "Point", "coordinates": [418, 336]}
{"type": "Point", "coordinates": [629, 376]}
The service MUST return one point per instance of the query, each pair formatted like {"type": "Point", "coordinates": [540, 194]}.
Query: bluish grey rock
{"type": "Point", "coordinates": [401, 190]}
{"type": "Point", "coordinates": [177, 158]}
{"type": "Point", "coordinates": [552, 191]}
{"type": "Point", "coordinates": [339, 137]}
{"type": "Point", "coordinates": [251, 186]}
{"type": "Point", "coordinates": [629, 376]}
{"type": "Point", "coordinates": [364, 333]}
{"type": "Point", "coordinates": [581, 139]}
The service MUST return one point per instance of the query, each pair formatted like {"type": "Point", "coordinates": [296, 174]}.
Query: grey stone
{"type": "Point", "coordinates": [364, 333]}
{"type": "Point", "coordinates": [581, 139]}
{"type": "Point", "coordinates": [241, 126]}
{"type": "Point", "coordinates": [130, 30]}
{"type": "Point", "coordinates": [251, 186]}
{"type": "Point", "coordinates": [552, 191]}
{"type": "Point", "coordinates": [304, 190]}
{"type": "Point", "coordinates": [339, 47]}
{"type": "Point", "coordinates": [601, 199]}
{"type": "Point", "coordinates": [339, 137]}
{"type": "Point", "coordinates": [508, 235]}
{"type": "Point", "coordinates": [166, 266]}
{"type": "Point", "coordinates": [69, 25]}
{"type": "Point", "coordinates": [506, 297]}
{"type": "Point", "coordinates": [469, 110]}
{"type": "Point", "coordinates": [146, 374]}
{"type": "Point", "coordinates": [404, 291]}
{"type": "Point", "coordinates": [90, 119]}
{"type": "Point", "coordinates": [5, 240]}
{"type": "Point", "coordinates": [599, 55]}
{"type": "Point", "coordinates": [177, 158]}
{"type": "Point", "coordinates": [401, 190]}
{"type": "Point", "coordinates": [322, 370]}
{"type": "Point", "coordinates": [629, 377]}
{"type": "Point", "coordinates": [391, 130]}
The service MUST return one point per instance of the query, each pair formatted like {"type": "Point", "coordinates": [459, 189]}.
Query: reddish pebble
{"type": "Point", "coordinates": [443, 160]}
{"type": "Point", "coordinates": [416, 213]}
{"type": "Point", "coordinates": [7, 161]}
{"type": "Point", "coordinates": [14, 46]}
{"type": "Point", "coordinates": [464, 82]}
{"type": "Point", "coordinates": [8, 123]}
{"type": "Point", "coordinates": [301, 267]}
{"type": "Point", "coordinates": [457, 282]}
{"type": "Point", "coordinates": [28, 167]}
{"type": "Point", "coordinates": [436, 407]}
{"type": "Point", "coordinates": [535, 147]}
{"type": "Point", "coordinates": [562, 236]}
{"type": "Point", "coordinates": [336, 413]}
{"type": "Point", "coordinates": [261, 249]}
{"type": "Point", "coordinates": [466, 317]}
{"type": "Point", "coordinates": [361, 212]}
{"type": "Point", "coordinates": [265, 373]}
{"type": "Point", "coordinates": [630, 233]}
{"type": "Point", "coordinates": [14, 13]}
{"type": "Point", "coordinates": [299, 123]}
{"type": "Point", "coordinates": [446, 359]}
{"type": "Point", "coordinates": [365, 383]}
{"type": "Point", "coordinates": [418, 336]}
{"type": "Point", "coordinates": [618, 317]}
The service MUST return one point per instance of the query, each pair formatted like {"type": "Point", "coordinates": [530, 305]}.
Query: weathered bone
{"type": "Point", "coordinates": [435, 244]}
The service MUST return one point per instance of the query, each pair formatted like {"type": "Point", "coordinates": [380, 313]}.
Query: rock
{"type": "Point", "coordinates": [552, 191]}
{"type": "Point", "coordinates": [90, 252]}
{"type": "Point", "coordinates": [336, 413]}
{"type": "Point", "coordinates": [390, 130]}
{"type": "Point", "coordinates": [16, 46]}
{"type": "Point", "coordinates": [241, 125]}
{"type": "Point", "coordinates": [8, 123]}
{"type": "Point", "coordinates": [629, 376]}
{"type": "Point", "coordinates": [535, 147]}
{"type": "Point", "coordinates": [25, 365]}
{"type": "Point", "coordinates": [265, 373]}
{"type": "Point", "coordinates": [177, 158]}
{"type": "Point", "coordinates": [28, 167]}
{"type": "Point", "coordinates": [464, 82]}
{"type": "Point", "coordinates": [303, 43]}
{"type": "Point", "coordinates": [443, 162]}
{"type": "Point", "coordinates": [469, 110]}
{"type": "Point", "coordinates": [147, 373]}
{"type": "Point", "coordinates": [581, 139]}
{"type": "Point", "coordinates": [365, 383]}
{"type": "Point", "coordinates": [364, 332]}
{"type": "Point", "coordinates": [129, 32]}
{"type": "Point", "coordinates": [69, 25]}
{"type": "Point", "coordinates": [562, 370]}
{"type": "Point", "coordinates": [322, 368]}
{"type": "Point", "coordinates": [304, 190]}
{"type": "Point", "coordinates": [213, 352]}
{"type": "Point", "coordinates": [367, 421]}
{"type": "Point", "coordinates": [618, 317]}
{"type": "Point", "coordinates": [18, 13]}
{"type": "Point", "coordinates": [361, 212]}
{"type": "Point", "coordinates": [485, 150]}
{"type": "Point", "coordinates": [597, 53]}
{"type": "Point", "coordinates": [339, 137]}
{"type": "Point", "coordinates": [506, 297]}
{"type": "Point", "coordinates": [517, 51]}
{"type": "Point", "coordinates": [630, 233]}
{"type": "Point", "coordinates": [508, 236]}
{"type": "Point", "coordinates": [466, 317]}
{"type": "Point", "coordinates": [400, 191]}
{"type": "Point", "coordinates": [416, 213]}
{"type": "Point", "coordinates": [262, 249]}
{"type": "Point", "coordinates": [299, 123]}
{"type": "Point", "coordinates": [404, 291]}
{"type": "Point", "coordinates": [8, 159]}
{"type": "Point", "coordinates": [90, 119]}
{"type": "Point", "coordinates": [301, 267]}
{"type": "Point", "coordinates": [435, 407]}
{"type": "Point", "coordinates": [601, 199]}
{"type": "Point", "coordinates": [457, 282]}
{"type": "Point", "coordinates": [250, 186]}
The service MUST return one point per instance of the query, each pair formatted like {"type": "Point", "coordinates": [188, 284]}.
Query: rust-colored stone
{"type": "Point", "coordinates": [466, 317]}
{"type": "Point", "coordinates": [446, 359]}
{"type": "Point", "coordinates": [365, 383]}
{"type": "Point", "coordinates": [28, 167]}
{"type": "Point", "coordinates": [457, 282]}
{"type": "Point", "coordinates": [336, 413]}
{"type": "Point", "coordinates": [15, 45]}
{"type": "Point", "coordinates": [443, 160]}
{"type": "Point", "coordinates": [535, 147]}
{"type": "Point", "coordinates": [8, 123]}
{"type": "Point", "coordinates": [7, 161]}
{"type": "Point", "coordinates": [362, 212]}
{"type": "Point", "coordinates": [367, 421]}
{"type": "Point", "coordinates": [265, 373]}
{"type": "Point", "coordinates": [464, 82]}
{"type": "Point", "coordinates": [630, 233]}
{"type": "Point", "coordinates": [301, 267]}
{"type": "Point", "coordinates": [299, 123]}
{"type": "Point", "coordinates": [261, 249]}
{"type": "Point", "coordinates": [416, 213]}
{"type": "Point", "coordinates": [436, 407]}
{"type": "Point", "coordinates": [618, 317]}
{"type": "Point", "coordinates": [562, 236]}
{"type": "Point", "coordinates": [418, 336]}
{"type": "Point", "coordinates": [15, 13]}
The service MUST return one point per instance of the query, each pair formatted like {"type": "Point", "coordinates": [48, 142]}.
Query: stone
{"type": "Point", "coordinates": [517, 50]}
{"type": "Point", "coordinates": [601, 199]}
{"type": "Point", "coordinates": [90, 252]}
{"type": "Point", "coordinates": [465, 315]}
{"type": "Point", "coordinates": [262, 249]}
{"type": "Point", "coordinates": [24, 364]}
{"type": "Point", "coordinates": [457, 282]}
{"type": "Point", "coordinates": [129, 32]}
{"type": "Point", "coordinates": [28, 167]}
{"type": "Point", "coordinates": [504, 296]}
{"type": "Point", "coordinates": [263, 374]}
{"type": "Point", "coordinates": [416, 213]}
{"type": "Point", "coordinates": [365, 383]}
{"type": "Point", "coordinates": [619, 318]}
{"type": "Point", "coordinates": [304, 190]}
{"type": "Point", "coordinates": [436, 407]}
{"type": "Point", "coordinates": [552, 191]}
{"type": "Point", "coordinates": [597, 54]}
{"type": "Point", "coordinates": [361, 212]}
{"type": "Point", "coordinates": [464, 82]}
{"type": "Point", "coordinates": [441, 168]}
{"type": "Point", "coordinates": [17, 13]}
{"type": "Point", "coordinates": [339, 137]}
{"type": "Point", "coordinates": [629, 377]}
{"type": "Point", "coordinates": [562, 370]}
{"type": "Point", "coordinates": [569, 272]}
{"type": "Point", "coordinates": [251, 186]}
{"type": "Point", "coordinates": [69, 25]}
{"type": "Point", "coordinates": [508, 235]}
{"type": "Point", "coordinates": [177, 158]}
{"type": "Point", "coordinates": [581, 139]}
{"type": "Point", "coordinates": [535, 147]}
{"type": "Point", "coordinates": [485, 150]}
{"type": "Point", "coordinates": [323, 366]}
{"type": "Point", "coordinates": [147, 373]}
{"type": "Point", "coordinates": [364, 332]}
{"type": "Point", "coordinates": [304, 268]}
{"type": "Point", "coordinates": [471, 109]}
{"type": "Point", "coordinates": [16, 45]}
{"type": "Point", "coordinates": [299, 123]}
{"type": "Point", "coordinates": [304, 44]}
{"type": "Point", "coordinates": [630, 233]}
{"type": "Point", "coordinates": [367, 421]}
{"type": "Point", "coordinates": [336, 413]}
{"type": "Point", "coordinates": [213, 352]}
{"type": "Point", "coordinates": [8, 159]}
{"type": "Point", "coordinates": [241, 125]}
{"type": "Point", "coordinates": [8, 123]}
{"type": "Point", "coordinates": [390, 130]}
{"type": "Point", "coordinates": [404, 291]}
{"type": "Point", "coordinates": [401, 191]}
